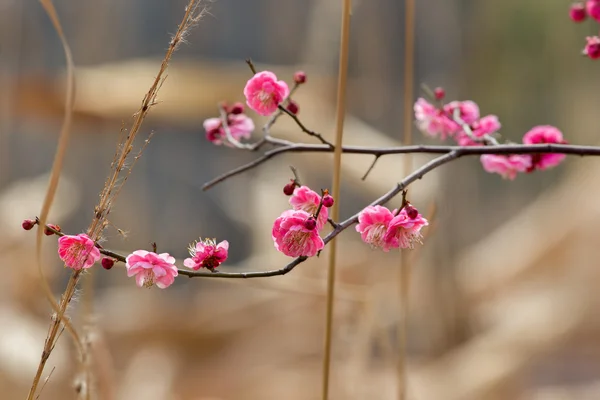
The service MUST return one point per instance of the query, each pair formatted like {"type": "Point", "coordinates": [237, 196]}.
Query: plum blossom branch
{"type": "Point", "coordinates": [453, 154]}
{"type": "Point", "coordinates": [381, 151]}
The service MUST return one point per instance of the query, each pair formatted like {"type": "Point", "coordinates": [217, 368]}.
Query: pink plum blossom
{"type": "Point", "coordinates": [293, 238]}
{"type": "Point", "coordinates": [485, 126]}
{"type": "Point", "coordinates": [207, 254]}
{"type": "Point", "coordinates": [308, 200]}
{"type": "Point", "coordinates": [404, 231]}
{"type": "Point", "coordinates": [577, 12]}
{"type": "Point", "coordinates": [506, 165]}
{"type": "Point", "coordinates": [264, 92]}
{"type": "Point", "coordinates": [544, 134]}
{"type": "Point", "coordinates": [150, 268]}
{"type": "Point", "coordinates": [240, 126]}
{"type": "Point", "coordinates": [78, 251]}
{"type": "Point", "coordinates": [469, 111]}
{"type": "Point", "coordinates": [593, 9]}
{"type": "Point", "coordinates": [592, 47]}
{"type": "Point", "coordinates": [433, 121]}
{"type": "Point", "coordinates": [373, 223]}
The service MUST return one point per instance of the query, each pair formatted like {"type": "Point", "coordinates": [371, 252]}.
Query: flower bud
{"type": "Point", "coordinates": [48, 232]}
{"type": "Point", "coordinates": [592, 48]}
{"type": "Point", "coordinates": [577, 12]}
{"type": "Point", "coordinates": [28, 224]}
{"type": "Point", "coordinates": [237, 108]}
{"type": "Point", "coordinates": [411, 212]}
{"type": "Point", "coordinates": [300, 77]}
{"type": "Point", "coordinates": [288, 189]}
{"type": "Point", "coordinates": [310, 224]}
{"type": "Point", "coordinates": [107, 263]}
{"type": "Point", "coordinates": [327, 201]}
{"type": "Point", "coordinates": [439, 93]}
{"type": "Point", "coordinates": [293, 107]}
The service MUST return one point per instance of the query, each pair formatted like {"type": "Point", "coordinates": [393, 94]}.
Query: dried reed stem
{"type": "Point", "coordinates": [112, 187]}
{"type": "Point", "coordinates": [405, 267]}
{"type": "Point", "coordinates": [337, 161]}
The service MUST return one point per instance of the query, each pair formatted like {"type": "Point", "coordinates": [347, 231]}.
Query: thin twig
{"type": "Point", "coordinates": [371, 167]}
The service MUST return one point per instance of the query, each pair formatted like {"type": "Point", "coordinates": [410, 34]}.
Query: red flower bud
{"type": "Point", "coordinates": [293, 107]}
{"type": "Point", "coordinates": [28, 224]}
{"type": "Point", "coordinates": [48, 232]}
{"type": "Point", "coordinates": [327, 201]}
{"type": "Point", "coordinates": [310, 224]}
{"type": "Point", "coordinates": [577, 12]}
{"type": "Point", "coordinates": [439, 93]}
{"type": "Point", "coordinates": [288, 189]}
{"type": "Point", "coordinates": [411, 212]}
{"type": "Point", "coordinates": [300, 77]}
{"type": "Point", "coordinates": [237, 108]}
{"type": "Point", "coordinates": [107, 263]}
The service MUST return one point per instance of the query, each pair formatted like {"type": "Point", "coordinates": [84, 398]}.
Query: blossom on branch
{"type": "Point", "coordinates": [373, 224]}
{"type": "Point", "coordinates": [544, 134]}
{"type": "Point", "coordinates": [433, 121]}
{"type": "Point", "coordinates": [487, 125]}
{"type": "Point", "coordinates": [240, 126]}
{"type": "Point", "coordinates": [404, 230]}
{"type": "Point", "coordinates": [293, 237]}
{"type": "Point", "coordinates": [308, 200]}
{"type": "Point", "coordinates": [150, 268]}
{"type": "Point", "coordinates": [78, 252]}
{"type": "Point", "coordinates": [264, 92]}
{"type": "Point", "coordinates": [207, 254]}
{"type": "Point", "coordinates": [506, 165]}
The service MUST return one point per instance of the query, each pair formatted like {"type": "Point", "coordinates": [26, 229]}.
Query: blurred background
{"type": "Point", "coordinates": [503, 301]}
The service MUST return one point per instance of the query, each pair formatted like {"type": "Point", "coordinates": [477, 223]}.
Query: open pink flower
{"type": "Point", "coordinates": [308, 200]}
{"type": "Point", "coordinates": [544, 134]}
{"type": "Point", "coordinates": [240, 126]}
{"type": "Point", "coordinates": [469, 110]}
{"type": "Point", "coordinates": [592, 47]}
{"type": "Point", "coordinates": [264, 92]}
{"type": "Point", "coordinates": [78, 251]}
{"type": "Point", "coordinates": [403, 231]}
{"type": "Point", "coordinates": [207, 254]}
{"type": "Point", "coordinates": [373, 224]}
{"type": "Point", "coordinates": [150, 268]}
{"type": "Point", "coordinates": [593, 9]}
{"type": "Point", "coordinates": [506, 165]}
{"type": "Point", "coordinates": [433, 121]}
{"type": "Point", "coordinates": [485, 126]}
{"type": "Point", "coordinates": [293, 238]}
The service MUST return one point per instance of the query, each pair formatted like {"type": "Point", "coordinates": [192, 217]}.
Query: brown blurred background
{"type": "Point", "coordinates": [503, 295]}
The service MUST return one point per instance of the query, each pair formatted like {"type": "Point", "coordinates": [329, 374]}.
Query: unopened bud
{"type": "Point", "coordinates": [293, 107]}
{"type": "Point", "coordinates": [107, 263]}
{"type": "Point", "coordinates": [48, 232]}
{"type": "Point", "coordinates": [28, 224]}
{"type": "Point", "coordinates": [300, 77]}
{"type": "Point", "coordinates": [411, 212]}
{"type": "Point", "coordinates": [327, 201]}
{"type": "Point", "coordinates": [439, 93]}
{"type": "Point", "coordinates": [310, 224]}
{"type": "Point", "coordinates": [288, 189]}
{"type": "Point", "coordinates": [237, 108]}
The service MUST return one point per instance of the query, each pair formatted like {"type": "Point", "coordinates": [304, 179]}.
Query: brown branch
{"type": "Point", "coordinates": [380, 151]}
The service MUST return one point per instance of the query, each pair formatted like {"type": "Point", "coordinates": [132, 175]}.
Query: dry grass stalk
{"type": "Point", "coordinates": [113, 185]}
{"type": "Point", "coordinates": [405, 266]}
{"type": "Point", "coordinates": [337, 167]}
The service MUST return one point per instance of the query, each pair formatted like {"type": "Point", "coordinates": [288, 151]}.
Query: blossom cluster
{"type": "Point", "coordinates": [80, 252]}
{"type": "Point", "coordinates": [295, 232]}
{"type": "Point", "coordinates": [385, 229]}
{"type": "Point", "coordinates": [460, 120]}
{"type": "Point", "coordinates": [579, 13]}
